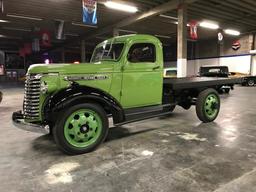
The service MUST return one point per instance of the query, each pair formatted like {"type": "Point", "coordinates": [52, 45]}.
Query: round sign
{"type": "Point", "coordinates": [220, 36]}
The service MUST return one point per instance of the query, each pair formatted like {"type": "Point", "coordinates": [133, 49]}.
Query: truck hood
{"type": "Point", "coordinates": [82, 68]}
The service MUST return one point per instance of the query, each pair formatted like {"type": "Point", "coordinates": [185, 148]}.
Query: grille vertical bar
{"type": "Point", "coordinates": [32, 97]}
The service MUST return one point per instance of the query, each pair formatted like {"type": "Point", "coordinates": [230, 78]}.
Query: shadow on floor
{"type": "Point", "coordinates": [45, 144]}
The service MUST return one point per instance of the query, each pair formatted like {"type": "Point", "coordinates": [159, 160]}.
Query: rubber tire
{"type": "Point", "coordinates": [1, 96]}
{"type": "Point", "coordinates": [58, 130]}
{"type": "Point", "coordinates": [227, 91]}
{"type": "Point", "coordinates": [251, 84]}
{"type": "Point", "coordinates": [200, 105]}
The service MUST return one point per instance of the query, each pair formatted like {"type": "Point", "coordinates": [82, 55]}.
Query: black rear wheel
{"type": "Point", "coordinates": [81, 128]}
{"type": "Point", "coordinates": [208, 105]}
{"type": "Point", "coordinates": [250, 82]}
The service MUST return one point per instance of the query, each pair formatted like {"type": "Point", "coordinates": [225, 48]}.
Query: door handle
{"type": "Point", "coordinates": [157, 67]}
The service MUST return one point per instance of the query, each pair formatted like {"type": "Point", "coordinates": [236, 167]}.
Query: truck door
{"type": "Point", "coordinates": [142, 76]}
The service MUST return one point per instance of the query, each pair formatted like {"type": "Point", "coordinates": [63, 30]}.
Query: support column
{"type": "Point", "coordinates": [115, 32]}
{"type": "Point", "coordinates": [182, 41]}
{"type": "Point", "coordinates": [63, 55]}
{"type": "Point", "coordinates": [83, 55]}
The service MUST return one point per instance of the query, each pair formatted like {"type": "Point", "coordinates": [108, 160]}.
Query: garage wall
{"type": "Point", "coordinates": [210, 53]}
{"type": "Point", "coordinates": [235, 63]}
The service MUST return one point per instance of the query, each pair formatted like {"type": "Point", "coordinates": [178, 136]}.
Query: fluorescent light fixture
{"type": "Point", "coordinates": [168, 17]}
{"type": "Point", "coordinates": [176, 22]}
{"type": "Point", "coordinates": [127, 31]}
{"type": "Point", "coordinates": [209, 25]}
{"type": "Point", "coordinates": [163, 36]}
{"type": "Point", "coordinates": [232, 32]}
{"type": "Point", "coordinates": [121, 7]}
{"type": "Point", "coordinates": [71, 34]}
{"type": "Point", "coordinates": [24, 17]}
{"type": "Point", "coordinates": [9, 37]}
{"type": "Point", "coordinates": [17, 29]}
{"type": "Point", "coordinates": [4, 21]}
{"type": "Point", "coordinates": [84, 25]}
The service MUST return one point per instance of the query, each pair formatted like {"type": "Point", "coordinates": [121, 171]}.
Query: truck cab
{"type": "Point", "coordinates": [123, 81]}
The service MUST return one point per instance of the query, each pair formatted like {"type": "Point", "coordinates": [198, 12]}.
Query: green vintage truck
{"type": "Point", "coordinates": [124, 81]}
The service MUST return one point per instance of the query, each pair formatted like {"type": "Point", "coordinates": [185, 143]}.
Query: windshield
{"type": "Point", "coordinates": [107, 52]}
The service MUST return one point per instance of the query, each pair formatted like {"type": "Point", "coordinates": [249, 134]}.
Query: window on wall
{"type": "Point", "coordinates": [142, 52]}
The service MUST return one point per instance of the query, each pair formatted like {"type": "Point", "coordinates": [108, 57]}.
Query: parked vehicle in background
{"type": "Point", "coordinates": [217, 71]}
{"type": "Point", "coordinates": [237, 74]}
{"type": "Point", "coordinates": [249, 81]}
{"type": "Point", "coordinates": [1, 96]}
{"type": "Point", "coordinates": [214, 71]}
{"type": "Point", "coordinates": [170, 72]}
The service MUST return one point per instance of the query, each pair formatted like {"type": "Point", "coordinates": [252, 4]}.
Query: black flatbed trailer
{"type": "Point", "coordinates": [199, 82]}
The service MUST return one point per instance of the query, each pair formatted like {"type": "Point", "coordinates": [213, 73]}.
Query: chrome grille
{"type": "Point", "coordinates": [32, 97]}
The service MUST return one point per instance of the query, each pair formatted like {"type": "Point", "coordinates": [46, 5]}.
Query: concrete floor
{"type": "Point", "coordinates": [176, 154]}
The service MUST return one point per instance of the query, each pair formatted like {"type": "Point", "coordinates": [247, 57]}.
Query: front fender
{"type": "Point", "coordinates": [77, 94]}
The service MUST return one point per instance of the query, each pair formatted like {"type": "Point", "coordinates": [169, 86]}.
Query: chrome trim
{"type": "Point", "coordinates": [32, 97]}
{"type": "Point", "coordinates": [18, 121]}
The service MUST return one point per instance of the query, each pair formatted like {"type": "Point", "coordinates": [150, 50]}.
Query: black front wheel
{"type": "Point", "coordinates": [208, 105]}
{"type": "Point", "coordinates": [81, 128]}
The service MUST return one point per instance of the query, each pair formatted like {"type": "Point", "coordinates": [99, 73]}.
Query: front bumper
{"type": "Point", "coordinates": [18, 121]}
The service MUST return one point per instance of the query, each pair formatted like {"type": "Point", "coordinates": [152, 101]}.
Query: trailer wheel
{"type": "Point", "coordinates": [81, 129]}
{"type": "Point", "coordinates": [208, 105]}
{"type": "Point", "coordinates": [250, 82]}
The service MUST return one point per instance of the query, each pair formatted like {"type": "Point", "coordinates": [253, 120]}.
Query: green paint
{"type": "Point", "coordinates": [132, 84]}
{"type": "Point", "coordinates": [211, 106]}
{"type": "Point", "coordinates": [82, 128]}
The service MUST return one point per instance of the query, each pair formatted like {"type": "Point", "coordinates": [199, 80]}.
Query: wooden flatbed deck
{"type": "Point", "coordinates": [198, 82]}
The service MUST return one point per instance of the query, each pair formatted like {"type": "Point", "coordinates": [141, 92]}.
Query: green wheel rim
{"type": "Point", "coordinates": [211, 106]}
{"type": "Point", "coordinates": [83, 128]}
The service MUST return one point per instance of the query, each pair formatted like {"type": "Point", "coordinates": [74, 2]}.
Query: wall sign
{"type": "Point", "coordinates": [90, 12]}
{"type": "Point", "coordinates": [193, 30]}
{"type": "Point", "coordinates": [1, 69]}
{"type": "Point", "coordinates": [220, 36]}
{"type": "Point", "coordinates": [236, 45]}
{"type": "Point", "coordinates": [45, 38]}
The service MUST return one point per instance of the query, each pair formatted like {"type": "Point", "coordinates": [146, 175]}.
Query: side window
{"type": "Point", "coordinates": [142, 52]}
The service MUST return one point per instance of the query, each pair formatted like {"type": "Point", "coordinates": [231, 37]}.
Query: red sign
{"type": "Point", "coordinates": [22, 52]}
{"type": "Point", "coordinates": [193, 30]}
{"type": "Point", "coordinates": [1, 69]}
{"type": "Point", "coordinates": [236, 45]}
{"type": "Point", "coordinates": [45, 38]}
{"type": "Point", "coordinates": [27, 48]}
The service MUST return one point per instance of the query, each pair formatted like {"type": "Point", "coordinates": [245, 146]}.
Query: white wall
{"type": "Point", "coordinates": [235, 64]}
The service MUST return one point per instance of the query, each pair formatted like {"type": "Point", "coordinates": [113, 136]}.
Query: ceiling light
{"type": "Point", "coordinates": [24, 17]}
{"type": "Point", "coordinates": [168, 17]}
{"type": "Point", "coordinates": [17, 29]}
{"type": "Point", "coordinates": [232, 32]}
{"type": "Point", "coordinates": [121, 7]}
{"type": "Point", "coordinates": [209, 25]}
{"type": "Point", "coordinates": [71, 34]}
{"type": "Point", "coordinates": [4, 21]}
{"type": "Point", "coordinates": [163, 36]}
{"type": "Point", "coordinates": [2, 36]}
{"type": "Point", "coordinates": [176, 22]}
{"type": "Point", "coordinates": [127, 31]}
{"type": "Point", "coordinates": [83, 25]}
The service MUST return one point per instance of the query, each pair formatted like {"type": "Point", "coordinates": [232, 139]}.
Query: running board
{"type": "Point", "coordinates": [134, 117]}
